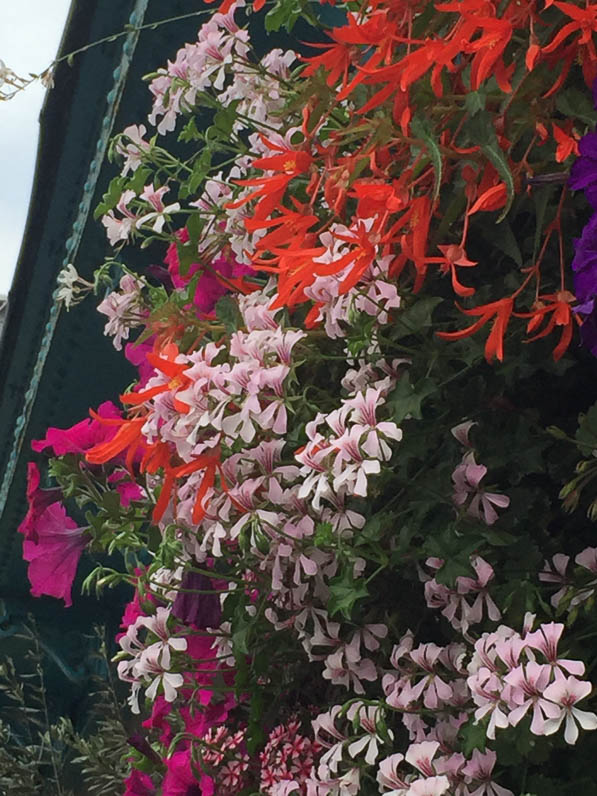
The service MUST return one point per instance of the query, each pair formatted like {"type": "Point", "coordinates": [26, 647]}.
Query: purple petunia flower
{"type": "Point", "coordinates": [583, 174]}
{"type": "Point", "coordinates": [584, 263]}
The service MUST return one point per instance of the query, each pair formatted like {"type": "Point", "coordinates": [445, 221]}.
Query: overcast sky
{"type": "Point", "coordinates": [30, 33]}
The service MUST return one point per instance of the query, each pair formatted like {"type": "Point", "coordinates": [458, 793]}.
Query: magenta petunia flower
{"type": "Point", "coordinates": [38, 500]}
{"type": "Point", "coordinates": [80, 437]}
{"type": "Point", "coordinates": [139, 784]}
{"type": "Point", "coordinates": [53, 553]}
{"type": "Point", "coordinates": [209, 288]}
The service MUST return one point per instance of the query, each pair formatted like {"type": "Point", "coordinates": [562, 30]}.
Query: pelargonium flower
{"type": "Point", "coordinates": [467, 477]}
{"type": "Point", "coordinates": [565, 692]}
{"type": "Point", "coordinates": [53, 551]}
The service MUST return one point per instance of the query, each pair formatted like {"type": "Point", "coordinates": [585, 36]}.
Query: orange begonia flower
{"type": "Point", "coordinates": [500, 311]}
{"type": "Point", "coordinates": [559, 306]}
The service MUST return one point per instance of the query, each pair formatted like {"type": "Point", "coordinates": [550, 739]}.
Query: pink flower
{"type": "Point", "coordinates": [139, 784]}
{"type": "Point", "coordinates": [432, 786]}
{"type": "Point", "coordinates": [420, 756]}
{"type": "Point", "coordinates": [587, 559]}
{"type": "Point", "coordinates": [38, 500]}
{"type": "Point", "coordinates": [80, 437]}
{"type": "Point", "coordinates": [135, 146]}
{"type": "Point", "coordinates": [158, 215]}
{"type": "Point", "coordinates": [387, 774]}
{"type": "Point", "coordinates": [545, 639]}
{"type": "Point", "coordinates": [565, 692]}
{"type": "Point", "coordinates": [127, 489]}
{"type": "Point", "coordinates": [209, 288]}
{"type": "Point", "coordinates": [467, 477]}
{"type": "Point", "coordinates": [555, 572]}
{"type": "Point", "coordinates": [136, 353]}
{"type": "Point", "coordinates": [54, 556]}
{"type": "Point", "coordinates": [461, 432]}
{"type": "Point", "coordinates": [478, 770]}
{"type": "Point", "coordinates": [180, 778]}
{"type": "Point", "coordinates": [529, 684]}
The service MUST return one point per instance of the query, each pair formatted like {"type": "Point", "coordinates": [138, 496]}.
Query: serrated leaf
{"type": "Point", "coordinates": [139, 179]}
{"type": "Point", "coordinates": [224, 119]}
{"type": "Point", "coordinates": [111, 198]}
{"type": "Point", "coordinates": [200, 171]}
{"type": "Point", "coordinates": [474, 102]}
{"type": "Point", "coordinates": [422, 129]}
{"type": "Point", "coordinates": [283, 15]}
{"type": "Point", "coordinates": [586, 433]}
{"type": "Point", "coordinates": [473, 736]}
{"type": "Point", "coordinates": [189, 132]}
{"type": "Point", "coordinates": [344, 593]}
{"type": "Point", "coordinates": [415, 318]}
{"type": "Point", "coordinates": [228, 314]}
{"type": "Point", "coordinates": [576, 104]}
{"type": "Point", "coordinates": [406, 399]}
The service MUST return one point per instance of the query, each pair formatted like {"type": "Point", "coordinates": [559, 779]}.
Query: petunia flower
{"type": "Point", "coordinates": [53, 551]}
{"type": "Point", "coordinates": [80, 437]}
{"type": "Point", "coordinates": [38, 499]}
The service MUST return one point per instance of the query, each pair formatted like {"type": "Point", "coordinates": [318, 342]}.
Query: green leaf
{"type": "Point", "coordinates": [228, 314]}
{"type": "Point", "coordinates": [415, 318]}
{"type": "Point", "coordinates": [473, 736]}
{"type": "Point", "coordinates": [586, 434]}
{"type": "Point", "coordinates": [187, 255]}
{"type": "Point", "coordinates": [283, 15]}
{"type": "Point", "coordinates": [224, 119]}
{"type": "Point", "coordinates": [139, 180]}
{"type": "Point", "coordinates": [189, 132]}
{"type": "Point", "coordinates": [111, 198]}
{"type": "Point", "coordinates": [422, 129]}
{"type": "Point", "coordinates": [504, 239]}
{"type": "Point", "coordinates": [481, 132]}
{"type": "Point", "coordinates": [577, 105]}
{"type": "Point", "coordinates": [475, 102]}
{"type": "Point", "coordinates": [344, 593]}
{"type": "Point", "coordinates": [406, 399]}
{"type": "Point", "coordinates": [201, 168]}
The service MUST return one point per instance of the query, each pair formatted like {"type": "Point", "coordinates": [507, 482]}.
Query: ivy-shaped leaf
{"type": "Point", "coordinates": [344, 593]}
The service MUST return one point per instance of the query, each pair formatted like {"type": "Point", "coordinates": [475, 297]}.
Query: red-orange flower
{"type": "Point", "coordinates": [500, 311]}
{"type": "Point", "coordinates": [558, 306]}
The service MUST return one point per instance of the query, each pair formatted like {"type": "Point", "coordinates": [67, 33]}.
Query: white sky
{"type": "Point", "coordinates": [30, 33]}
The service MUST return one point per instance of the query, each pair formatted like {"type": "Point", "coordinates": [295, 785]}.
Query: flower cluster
{"type": "Point", "coordinates": [282, 480]}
